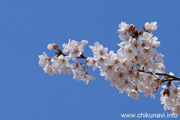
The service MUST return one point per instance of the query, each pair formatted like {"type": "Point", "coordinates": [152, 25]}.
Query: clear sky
{"type": "Point", "coordinates": [28, 26]}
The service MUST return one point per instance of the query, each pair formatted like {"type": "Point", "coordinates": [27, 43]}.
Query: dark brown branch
{"type": "Point", "coordinates": [171, 80]}
{"type": "Point", "coordinates": [82, 56]}
{"type": "Point", "coordinates": [59, 52]}
{"type": "Point", "coordinates": [171, 77]}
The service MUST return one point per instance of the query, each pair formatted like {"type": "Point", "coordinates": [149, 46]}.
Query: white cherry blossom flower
{"type": "Point", "coordinates": [67, 69]}
{"type": "Point", "coordinates": [150, 26]}
{"type": "Point", "coordinates": [133, 94]}
{"type": "Point", "coordinates": [92, 61]}
{"type": "Point", "coordinates": [123, 27]}
{"type": "Point", "coordinates": [43, 60]}
{"type": "Point", "coordinates": [74, 47]}
{"type": "Point", "coordinates": [49, 69]}
{"type": "Point", "coordinates": [60, 61]}
{"type": "Point", "coordinates": [125, 37]}
{"type": "Point", "coordinates": [159, 58]}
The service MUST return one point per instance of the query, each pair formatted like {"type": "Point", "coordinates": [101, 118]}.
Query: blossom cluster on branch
{"type": "Point", "coordinates": [136, 67]}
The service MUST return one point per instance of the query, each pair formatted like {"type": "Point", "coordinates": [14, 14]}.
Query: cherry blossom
{"type": "Point", "coordinates": [135, 68]}
{"type": "Point", "coordinates": [123, 27]}
{"type": "Point", "coordinates": [150, 27]}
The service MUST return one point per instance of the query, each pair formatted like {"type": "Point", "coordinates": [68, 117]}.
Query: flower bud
{"type": "Point", "coordinates": [166, 92]}
{"type": "Point", "coordinates": [132, 27]}
{"type": "Point", "coordinates": [52, 46]}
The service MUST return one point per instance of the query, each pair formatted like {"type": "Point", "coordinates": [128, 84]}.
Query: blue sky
{"type": "Point", "coordinates": [28, 26]}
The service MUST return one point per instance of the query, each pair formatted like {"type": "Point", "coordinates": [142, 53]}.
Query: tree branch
{"type": "Point", "coordinates": [171, 77]}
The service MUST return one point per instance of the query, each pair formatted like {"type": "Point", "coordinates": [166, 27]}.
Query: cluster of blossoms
{"type": "Point", "coordinates": [170, 97]}
{"type": "Point", "coordinates": [129, 69]}
{"type": "Point", "coordinates": [136, 67]}
{"type": "Point", "coordinates": [61, 62]}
